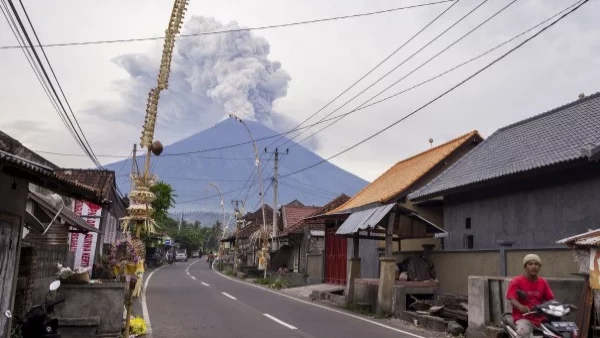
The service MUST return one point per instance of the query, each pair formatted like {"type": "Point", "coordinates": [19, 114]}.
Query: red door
{"type": "Point", "coordinates": [336, 248]}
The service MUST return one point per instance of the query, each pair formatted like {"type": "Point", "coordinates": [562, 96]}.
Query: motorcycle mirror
{"type": "Point", "coordinates": [8, 314]}
{"type": "Point", "coordinates": [54, 285]}
{"type": "Point", "coordinates": [521, 294]}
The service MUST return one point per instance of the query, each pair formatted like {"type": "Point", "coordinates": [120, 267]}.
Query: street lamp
{"type": "Point", "coordinates": [264, 234]}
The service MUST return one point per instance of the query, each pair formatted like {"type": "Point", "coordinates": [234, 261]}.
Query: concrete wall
{"type": "Point", "coordinates": [314, 268]}
{"type": "Point", "coordinates": [487, 300]}
{"type": "Point", "coordinates": [453, 268]}
{"type": "Point", "coordinates": [84, 302]}
{"type": "Point", "coordinates": [369, 256]}
{"type": "Point", "coordinates": [533, 212]}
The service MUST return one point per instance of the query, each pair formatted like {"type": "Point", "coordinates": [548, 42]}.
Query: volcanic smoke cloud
{"type": "Point", "coordinates": [211, 76]}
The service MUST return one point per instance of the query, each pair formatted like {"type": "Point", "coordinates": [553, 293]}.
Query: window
{"type": "Point", "coordinates": [468, 223]}
{"type": "Point", "coordinates": [468, 242]}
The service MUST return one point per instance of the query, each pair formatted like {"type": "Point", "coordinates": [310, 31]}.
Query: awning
{"type": "Point", "coordinates": [66, 214]}
{"type": "Point", "coordinates": [33, 224]}
{"type": "Point", "coordinates": [364, 220]}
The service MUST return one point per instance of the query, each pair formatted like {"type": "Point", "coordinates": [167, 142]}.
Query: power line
{"type": "Point", "coordinates": [87, 144]}
{"type": "Point", "coordinates": [441, 95]}
{"type": "Point", "coordinates": [97, 42]}
{"type": "Point", "coordinates": [407, 59]}
{"type": "Point", "coordinates": [369, 72]}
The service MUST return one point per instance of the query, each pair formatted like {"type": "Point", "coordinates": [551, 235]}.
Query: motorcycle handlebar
{"type": "Point", "coordinates": [55, 303]}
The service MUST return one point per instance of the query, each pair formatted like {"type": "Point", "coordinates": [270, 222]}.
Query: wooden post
{"type": "Point", "coordinates": [355, 246]}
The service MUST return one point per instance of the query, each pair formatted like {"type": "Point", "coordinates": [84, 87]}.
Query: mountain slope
{"type": "Point", "coordinates": [230, 168]}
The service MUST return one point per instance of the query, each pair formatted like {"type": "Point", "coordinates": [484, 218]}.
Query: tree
{"type": "Point", "coordinates": [165, 200]}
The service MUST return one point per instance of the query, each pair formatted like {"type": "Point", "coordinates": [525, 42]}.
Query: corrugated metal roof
{"type": "Point", "coordinates": [66, 213]}
{"type": "Point", "coordinates": [564, 134]}
{"type": "Point", "coordinates": [363, 220]}
{"type": "Point", "coordinates": [590, 238]}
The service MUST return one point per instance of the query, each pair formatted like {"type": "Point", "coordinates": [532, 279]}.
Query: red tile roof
{"type": "Point", "coordinates": [102, 181]}
{"type": "Point", "coordinates": [295, 215]}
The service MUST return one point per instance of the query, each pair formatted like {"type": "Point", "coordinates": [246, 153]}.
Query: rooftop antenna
{"type": "Point", "coordinates": [430, 143]}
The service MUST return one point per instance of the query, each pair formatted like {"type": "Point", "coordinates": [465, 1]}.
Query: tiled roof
{"type": "Point", "coordinates": [567, 133]}
{"type": "Point", "coordinates": [102, 181]}
{"type": "Point", "coordinates": [293, 217]}
{"type": "Point", "coordinates": [405, 173]}
{"type": "Point", "coordinates": [334, 203]}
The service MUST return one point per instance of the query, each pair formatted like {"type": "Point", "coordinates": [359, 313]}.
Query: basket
{"type": "Point", "coordinates": [77, 278]}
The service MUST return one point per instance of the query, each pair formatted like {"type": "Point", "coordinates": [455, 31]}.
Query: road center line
{"type": "Point", "coordinates": [192, 277]}
{"type": "Point", "coordinates": [205, 284]}
{"type": "Point", "coordinates": [280, 322]}
{"type": "Point", "coordinates": [228, 295]}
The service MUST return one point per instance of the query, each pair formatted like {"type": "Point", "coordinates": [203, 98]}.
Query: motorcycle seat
{"type": "Point", "coordinates": [507, 319]}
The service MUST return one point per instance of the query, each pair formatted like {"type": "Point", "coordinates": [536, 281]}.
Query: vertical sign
{"type": "Point", "coordinates": [84, 245]}
{"type": "Point", "coordinates": [110, 234]}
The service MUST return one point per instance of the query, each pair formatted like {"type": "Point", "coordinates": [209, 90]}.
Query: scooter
{"type": "Point", "coordinates": [552, 327]}
{"type": "Point", "coordinates": [36, 323]}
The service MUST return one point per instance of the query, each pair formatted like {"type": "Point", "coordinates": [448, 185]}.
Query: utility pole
{"type": "Point", "coordinates": [134, 170]}
{"type": "Point", "coordinates": [275, 181]}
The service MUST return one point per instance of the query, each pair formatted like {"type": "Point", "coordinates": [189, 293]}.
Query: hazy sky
{"type": "Point", "coordinates": [294, 71]}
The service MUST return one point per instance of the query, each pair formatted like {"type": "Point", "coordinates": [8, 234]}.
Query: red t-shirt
{"type": "Point", "coordinates": [538, 292]}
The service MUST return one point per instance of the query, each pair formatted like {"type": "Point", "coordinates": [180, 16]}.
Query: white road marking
{"type": "Point", "coordinates": [228, 295]}
{"type": "Point", "coordinates": [323, 307]}
{"type": "Point", "coordinates": [280, 322]}
{"type": "Point", "coordinates": [194, 278]}
{"type": "Point", "coordinates": [205, 284]}
{"type": "Point", "coordinates": [145, 313]}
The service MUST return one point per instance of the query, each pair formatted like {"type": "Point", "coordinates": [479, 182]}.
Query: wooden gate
{"type": "Point", "coordinates": [9, 244]}
{"type": "Point", "coordinates": [336, 248]}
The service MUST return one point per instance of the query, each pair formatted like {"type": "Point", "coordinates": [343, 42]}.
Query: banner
{"type": "Point", "coordinates": [84, 245]}
{"type": "Point", "coordinates": [110, 233]}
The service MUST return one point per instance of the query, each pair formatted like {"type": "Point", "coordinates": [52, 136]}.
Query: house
{"type": "Point", "coordinates": [109, 207]}
{"type": "Point", "coordinates": [526, 185]}
{"type": "Point", "coordinates": [390, 189]}
{"type": "Point", "coordinates": [290, 238]}
{"type": "Point", "coordinates": [311, 234]}
{"type": "Point", "coordinates": [246, 227]}
{"type": "Point", "coordinates": [20, 167]}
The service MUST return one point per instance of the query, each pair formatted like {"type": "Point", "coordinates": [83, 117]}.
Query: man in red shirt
{"type": "Point", "coordinates": [538, 291]}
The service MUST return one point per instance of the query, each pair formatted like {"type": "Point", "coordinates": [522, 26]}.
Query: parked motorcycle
{"type": "Point", "coordinates": [36, 323]}
{"type": "Point", "coordinates": [552, 327]}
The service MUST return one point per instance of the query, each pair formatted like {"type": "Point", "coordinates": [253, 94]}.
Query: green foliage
{"type": "Point", "coordinates": [165, 199]}
{"type": "Point", "coordinates": [192, 235]}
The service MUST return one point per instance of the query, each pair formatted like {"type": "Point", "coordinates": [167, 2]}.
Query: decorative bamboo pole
{"type": "Point", "coordinates": [140, 210]}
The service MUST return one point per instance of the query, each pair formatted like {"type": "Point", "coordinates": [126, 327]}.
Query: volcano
{"type": "Point", "coordinates": [190, 171]}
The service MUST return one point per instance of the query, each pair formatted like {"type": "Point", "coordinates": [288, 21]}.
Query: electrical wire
{"type": "Point", "coordinates": [441, 95]}
{"type": "Point", "coordinates": [97, 42]}
{"type": "Point", "coordinates": [414, 70]}
{"type": "Point", "coordinates": [370, 71]}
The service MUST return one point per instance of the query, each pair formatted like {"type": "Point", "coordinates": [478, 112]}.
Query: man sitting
{"type": "Point", "coordinates": [538, 291]}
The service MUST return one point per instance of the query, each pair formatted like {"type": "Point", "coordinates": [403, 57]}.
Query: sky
{"type": "Point", "coordinates": [281, 76]}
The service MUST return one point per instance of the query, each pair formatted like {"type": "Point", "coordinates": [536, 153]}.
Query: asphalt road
{"type": "Point", "coordinates": [191, 300]}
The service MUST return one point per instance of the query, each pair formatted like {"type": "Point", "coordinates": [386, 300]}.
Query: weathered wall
{"type": "Point", "coordinates": [453, 268]}
{"type": "Point", "coordinates": [37, 270]}
{"type": "Point", "coordinates": [12, 210]}
{"type": "Point", "coordinates": [369, 257]}
{"type": "Point", "coordinates": [314, 268]}
{"type": "Point", "coordinates": [86, 301]}
{"type": "Point", "coordinates": [532, 212]}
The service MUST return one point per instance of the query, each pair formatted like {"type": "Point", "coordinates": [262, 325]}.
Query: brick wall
{"type": "Point", "coordinates": [37, 270]}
